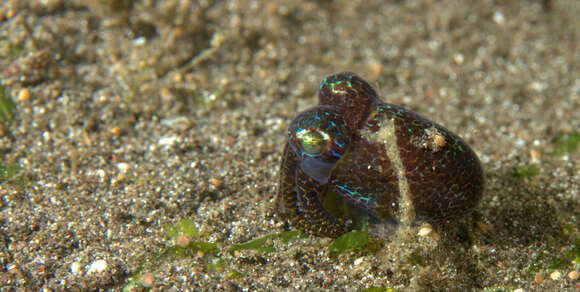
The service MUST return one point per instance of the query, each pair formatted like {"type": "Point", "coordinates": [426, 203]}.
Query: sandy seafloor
{"type": "Point", "coordinates": [132, 115]}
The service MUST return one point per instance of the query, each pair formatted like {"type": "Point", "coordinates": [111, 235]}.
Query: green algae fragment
{"type": "Point", "coordinates": [266, 243]}
{"type": "Point", "coordinates": [217, 264]}
{"type": "Point", "coordinates": [379, 289]}
{"type": "Point", "coordinates": [191, 249]}
{"type": "Point", "coordinates": [526, 171]}
{"type": "Point", "coordinates": [7, 107]}
{"type": "Point", "coordinates": [13, 174]}
{"type": "Point", "coordinates": [566, 144]}
{"type": "Point", "coordinates": [500, 288]}
{"type": "Point", "coordinates": [416, 259]}
{"type": "Point", "coordinates": [184, 226]}
{"type": "Point", "coordinates": [234, 275]}
{"type": "Point", "coordinates": [9, 172]}
{"type": "Point", "coordinates": [133, 284]}
{"type": "Point", "coordinates": [350, 241]}
{"type": "Point", "coordinates": [289, 236]}
{"type": "Point", "coordinates": [187, 227]}
{"type": "Point", "coordinates": [170, 231]}
{"type": "Point", "coordinates": [263, 244]}
{"type": "Point", "coordinates": [570, 257]}
{"type": "Point", "coordinates": [206, 247]}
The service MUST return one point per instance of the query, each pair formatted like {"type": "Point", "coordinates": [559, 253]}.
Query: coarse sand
{"type": "Point", "coordinates": [136, 118]}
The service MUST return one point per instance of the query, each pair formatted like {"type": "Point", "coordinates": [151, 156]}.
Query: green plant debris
{"type": "Point", "coordinates": [170, 231]}
{"type": "Point", "coordinates": [184, 226]}
{"type": "Point", "coordinates": [416, 259]}
{"type": "Point", "coordinates": [9, 172]}
{"type": "Point", "coordinates": [266, 243]}
{"type": "Point", "coordinates": [206, 247]}
{"type": "Point", "coordinates": [263, 244]}
{"type": "Point", "coordinates": [217, 265]}
{"type": "Point", "coordinates": [570, 257]}
{"type": "Point", "coordinates": [15, 49]}
{"type": "Point", "coordinates": [133, 283]}
{"type": "Point", "coordinates": [187, 227]}
{"type": "Point", "coordinates": [500, 288]}
{"type": "Point", "coordinates": [234, 275]}
{"type": "Point", "coordinates": [566, 144]}
{"type": "Point", "coordinates": [350, 241]}
{"type": "Point", "coordinates": [7, 108]}
{"type": "Point", "coordinates": [13, 174]}
{"type": "Point", "coordinates": [379, 289]}
{"type": "Point", "coordinates": [526, 171]}
{"type": "Point", "coordinates": [289, 236]}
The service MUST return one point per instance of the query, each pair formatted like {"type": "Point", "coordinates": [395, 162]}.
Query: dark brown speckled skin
{"type": "Point", "coordinates": [445, 180]}
{"type": "Point", "coordinates": [445, 184]}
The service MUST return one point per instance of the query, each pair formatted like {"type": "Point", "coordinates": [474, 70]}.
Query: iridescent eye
{"type": "Point", "coordinates": [318, 134]}
{"type": "Point", "coordinates": [314, 142]}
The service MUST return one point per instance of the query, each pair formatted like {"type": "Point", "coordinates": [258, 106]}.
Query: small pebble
{"type": "Point", "coordinates": [179, 32]}
{"type": "Point", "coordinates": [458, 58]}
{"type": "Point", "coordinates": [555, 275]}
{"type": "Point", "coordinates": [483, 227]}
{"type": "Point", "coordinates": [539, 278]}
{"type": "Point", "coordinates": [24, 95]}
{"type": "Point", "coordinates": [75, 268]}
{"type": "Point", "coordinates": [439, 140]}
{"type": "Point", "coordinates": [123, 167]}
{"type": "Point", "coordinates": [535, 155]}
{"type": "Point", "coordinates": [573, 275]}
{"type": "Point", "coordinates": [168, 141]}
{"type": "Point", "coordinates": [87, 140]}
{"type": "Point", "coordinates": [216, 182]}
{"type": "Point", "coordinates": [97, 266]}
{"type": "Point", "coordinates": [116, 131]}
{"type": "Point", "coordinates": [498, 17]}
{"type": "Point", "coordinates": [425, 230]}
{"type": "Point", "coordinates": [148, 279]}
{"type": "Point", "coordinates": [166, 94]}
{"type": "Point", "coordinates": [183, 240]}
{"type": "Point", "coordinates": [376, 67]}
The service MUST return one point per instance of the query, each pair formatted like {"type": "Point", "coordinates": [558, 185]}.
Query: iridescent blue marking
{"type": "Point", "coordinates": [355, 195]}
{"type": "Point", "coordinates": [322, 83]}
{"type": "Point", "coordinates": [336, 154]}
{"type": "Point", "coordinates": [359, 201]}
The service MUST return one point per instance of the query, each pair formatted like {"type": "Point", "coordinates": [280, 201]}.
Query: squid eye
{"type": "Point", "coordinates": [318, 133]}
{"type": "Point", "coordinates": [314, 142]}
